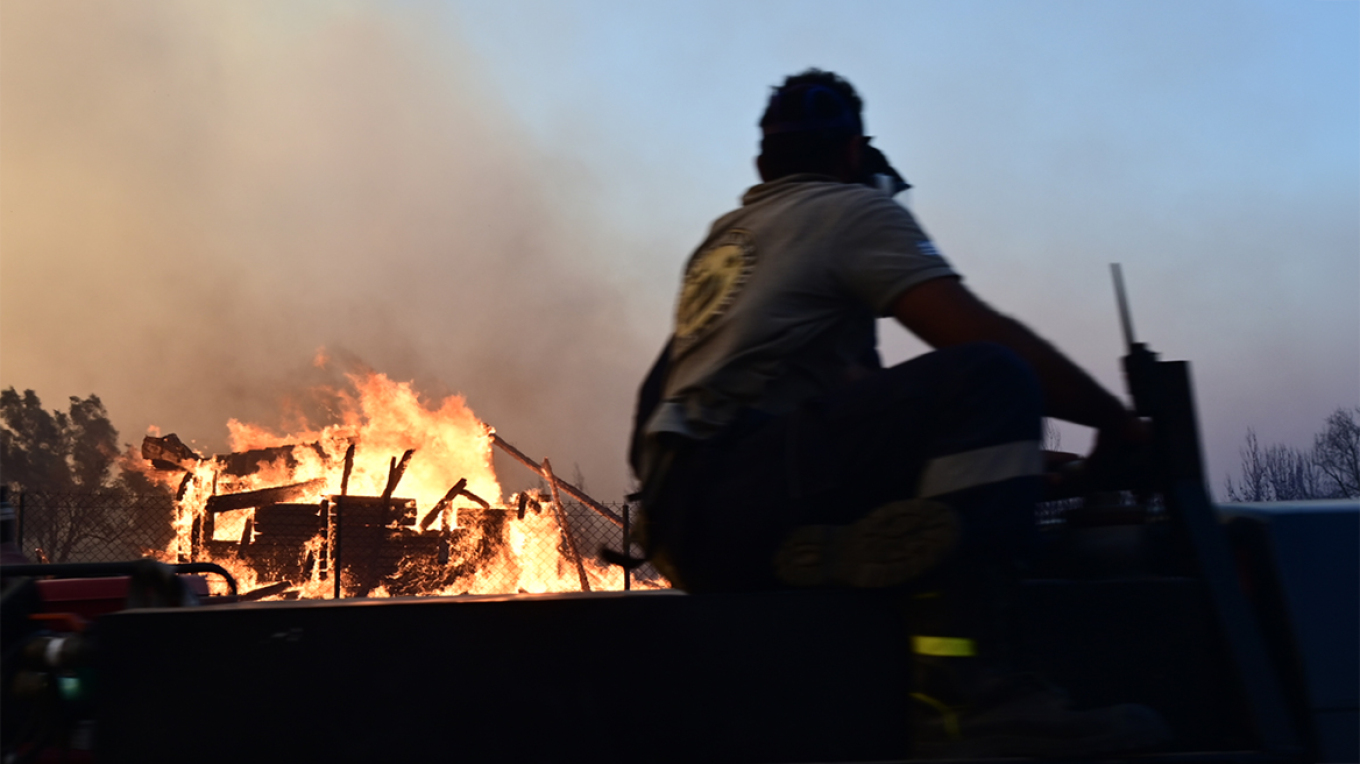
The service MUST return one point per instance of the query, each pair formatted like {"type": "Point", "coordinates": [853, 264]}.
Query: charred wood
{"type": "Point", "coordinates": [264, 496]}
{"type": "Point", "coordinates": [289, 523]}
{"type": "Point", "coordinates": [184, 486]}
{"type": "Point", "coordinates": [243, 463]}
{"type": "Point", "coordinates": [349, 467]}
{"type": "Point", "coordinates": [280, 548]}
{"type": "Point", "coordinates": [195, 538]}
{"type": "Point", "coordinates": [443, 503]}
{"type": "Point", "coordinates": [265, 591]}
{"type": "Point", "coordinates": [373, 511]}
{"type": "Point", "coordinates": [395, 472]}
{"type": "Point", "coordinates": [169, 450]}
{"type": "Point", "coordinates": [470, 495]}
{"type": "Point", "coordinates": [571, 490]}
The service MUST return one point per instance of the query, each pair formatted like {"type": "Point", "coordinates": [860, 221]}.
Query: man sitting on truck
{"type": "Point", "coordinates": [775, 451]}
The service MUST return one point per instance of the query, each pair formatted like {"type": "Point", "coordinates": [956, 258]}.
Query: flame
{"type": "Point", "coordinates": [463, 550]}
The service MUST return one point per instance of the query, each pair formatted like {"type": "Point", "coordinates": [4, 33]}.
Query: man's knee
{"type": "Point", "coordinates": [997, 373]}
{"type": "Point", "coordinates": [991, 396]}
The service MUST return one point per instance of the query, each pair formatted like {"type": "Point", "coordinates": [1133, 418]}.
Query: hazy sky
{"type": "Point", "coordinates": [496, 198]}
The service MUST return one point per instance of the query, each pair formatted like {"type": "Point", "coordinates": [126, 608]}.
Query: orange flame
{"type": "Point", "coordinates": [485, 552]}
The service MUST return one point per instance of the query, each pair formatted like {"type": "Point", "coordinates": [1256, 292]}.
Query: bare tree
{"type": "Point", "coordinates": [1337, 451]}
{"type": "Point", "coordinates": [1277, 473]}
{"type": "Point", "coordinates": [1330, 470]}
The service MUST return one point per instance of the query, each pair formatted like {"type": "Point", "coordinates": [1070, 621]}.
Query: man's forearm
{"type": "Point", "coordinates": [943, 313]}
{"type": "Point", "coordinates": [1070, 393]}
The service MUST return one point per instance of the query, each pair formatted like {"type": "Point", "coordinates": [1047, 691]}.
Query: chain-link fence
{"type": "Point", "coordinates": [102, 526]}
{"type": "Point", "coordinates": [363, 546]}
{"type": "Point", "coordinates": [377, 547]}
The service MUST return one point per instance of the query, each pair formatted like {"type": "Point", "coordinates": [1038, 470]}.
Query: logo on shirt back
{"type": "Point", "coordinates": [713, 280]}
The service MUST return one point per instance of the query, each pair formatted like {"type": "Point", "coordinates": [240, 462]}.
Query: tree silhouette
{"type": "Point", "coordinates": [1330, 470]}
{"type": "Point", "coordinates": [65, 462]}
{"type": "Point", "coordinates": [1337, 451]}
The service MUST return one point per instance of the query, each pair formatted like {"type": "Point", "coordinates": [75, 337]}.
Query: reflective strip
{"type": "Point", "coordinates": [992, 464]}
{"type": "Point", "coordinates": [944, 647]}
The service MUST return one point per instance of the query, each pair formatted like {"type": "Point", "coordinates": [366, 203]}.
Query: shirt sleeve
{"type": "Point", "coordinates": [885, 252]}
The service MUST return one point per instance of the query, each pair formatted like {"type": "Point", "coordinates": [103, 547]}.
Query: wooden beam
{"type": "Point", "coordinates": [566, 529]}
{"type": "Point", "coordinates": [349, 467]}
{"type": "Point", "coordinates": [442, 503]}
{"type": "Point", "coordinates": [571, 490]}
{"type": "Point", "coordinates": [395, 472]}
{"type": "Point", "coordinates": [265, 496]}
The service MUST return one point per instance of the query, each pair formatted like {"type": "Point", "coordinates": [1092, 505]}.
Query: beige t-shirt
{"type": "Point", "coordinates": [778, 303]}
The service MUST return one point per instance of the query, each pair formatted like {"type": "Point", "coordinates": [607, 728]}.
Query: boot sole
{"type": "Point", "coordinates": [893, 544]}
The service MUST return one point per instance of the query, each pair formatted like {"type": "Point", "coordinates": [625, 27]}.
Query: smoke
{"type": "Point", "coordinates": [195, 197]}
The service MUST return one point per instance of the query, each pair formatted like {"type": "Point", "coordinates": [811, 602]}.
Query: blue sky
{"type": "Point", "coordinates": [1211, 147]}
{"type": "Point", "coordinates": [509, 190]}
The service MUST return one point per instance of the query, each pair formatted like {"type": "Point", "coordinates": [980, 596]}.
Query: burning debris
{"type": "Point", "coordinates": [319, 514]}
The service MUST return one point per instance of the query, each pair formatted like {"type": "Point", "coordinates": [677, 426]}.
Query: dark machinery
{"type": "Point", "coordinates": [1239, 623]}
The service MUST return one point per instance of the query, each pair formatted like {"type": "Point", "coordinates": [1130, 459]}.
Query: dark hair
{"type": "Point", "coordinates": [807, 121]}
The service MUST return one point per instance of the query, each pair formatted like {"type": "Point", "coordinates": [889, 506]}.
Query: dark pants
{"type": "Point", "coordinates": [729, 502]}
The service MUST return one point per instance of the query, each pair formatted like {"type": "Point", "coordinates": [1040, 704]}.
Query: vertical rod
{"type": "Point", "coordinates": [1125, 320]}
{"type": "Point", "coordinates": [323, 561]}
{"type": "Point", "coordinates": [562, 523]}
{"type": "Point", "coordinates": [19, 529]}
{"type": "Point", "coordinates": [335, 545]}
{"type": "Point", "coordinates": [196, 537]}
{"type": "Point", "coordinates": [339, 519]}
{"type": "Point", "coordinates": [349, 467]}
{"type": "Point", "coordinates": [627, 550]}
{"type": "Point", "coordinates": [179, 535]}
{"type": "Point", "coordinates": [209, 531]}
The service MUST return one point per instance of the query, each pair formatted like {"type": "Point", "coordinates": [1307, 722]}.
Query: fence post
{"type": "Point", "coordinates": [627, 550]}
{"type": "Point", "coordinates": [335, 543]}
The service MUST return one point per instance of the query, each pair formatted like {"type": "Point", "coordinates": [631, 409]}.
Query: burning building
{"type": "Point", "coordinates": [395, 498]}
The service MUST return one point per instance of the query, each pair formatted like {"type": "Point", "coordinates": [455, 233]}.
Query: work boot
{"type": "Point", "coordinates": [1021, 715]}
{"type": "Point", "coordinates": [893, 544]}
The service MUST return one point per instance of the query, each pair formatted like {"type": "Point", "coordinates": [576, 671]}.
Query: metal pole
{"type": "Point", "coordinates": [180, 556]}
{"type": "Point", "coordinates": [1125, 320]}
{"type": "Point", "coordinates": [339, 520]}
{"type": "Point", "coordinates": [324, 560]}
{"type": "Point", "coordinates": [335, 544]}
{"type": "Point", "coordinates": [19, 531]}
{"type": "Point", "coordinates": [627, 550]}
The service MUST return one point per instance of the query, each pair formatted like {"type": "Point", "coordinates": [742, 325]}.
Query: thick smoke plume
{"type": "Point", "coordinates": [195, 197]}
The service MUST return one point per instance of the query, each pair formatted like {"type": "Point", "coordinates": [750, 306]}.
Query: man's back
{"type": "Point", "coordinates": [778, 303]}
